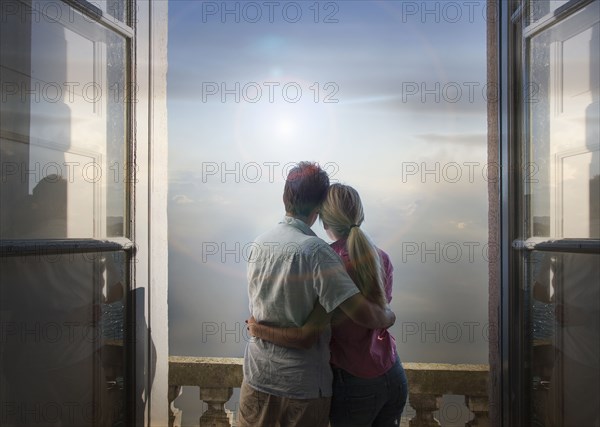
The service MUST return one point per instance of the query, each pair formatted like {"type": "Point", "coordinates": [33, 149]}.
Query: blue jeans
{"type": "Point", "coordinates": [376, 402]}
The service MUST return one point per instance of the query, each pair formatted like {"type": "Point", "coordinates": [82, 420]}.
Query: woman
{"type": "Point", "coordinates": [369, 387]}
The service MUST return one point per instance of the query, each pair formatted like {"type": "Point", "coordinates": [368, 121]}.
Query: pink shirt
{"type": "Point", "coordinates": [365, 353]}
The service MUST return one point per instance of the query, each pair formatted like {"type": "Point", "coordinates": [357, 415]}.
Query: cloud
{"type": "Point", "coordinates": [468, 139]}
{"type": "Point", "coordinates": [182, 199]}
{"type": "Point", "coordinates": [410, 209]}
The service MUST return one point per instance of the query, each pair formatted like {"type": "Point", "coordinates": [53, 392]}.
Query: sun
{"type": "Point", "coordinates": [286, 127]}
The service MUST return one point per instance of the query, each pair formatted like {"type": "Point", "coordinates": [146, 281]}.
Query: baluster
{"type": "Point", "coordinates": [174, 413]}
{"type": "Point", "coordinates": [215, 398]}
{"type": "Point", "coordinates": [480, 408]}
{"type": "Point", "coordinates": [425, 405]}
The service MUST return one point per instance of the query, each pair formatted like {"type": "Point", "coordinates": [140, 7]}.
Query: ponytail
{"type": "Point", "coordinates": [342, 211]}
{"type": "Point", "coordinates": [366, 263]}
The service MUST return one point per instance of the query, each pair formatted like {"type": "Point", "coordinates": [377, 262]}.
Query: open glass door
{"type": "Point", "coordinates": [65, 250]}
{"type": "Point", "coordinates": [554, 278]}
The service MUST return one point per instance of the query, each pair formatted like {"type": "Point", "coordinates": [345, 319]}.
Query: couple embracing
{"type": "Point", "coordinates": [321, 352]}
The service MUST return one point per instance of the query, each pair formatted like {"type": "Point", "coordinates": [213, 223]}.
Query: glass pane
{"type": "Point", "coordinates": [116, 9]}
{"type": "Point", "coordinates": [563, 295]}
{"type": "Point", "coordinates": [62, 125]}
{"type": "Point", "coordinates": [562, 174]}
{"type": "Point", "coordinates": [62, 331]}
{"type": "Point", "coordinates": [538, 9]}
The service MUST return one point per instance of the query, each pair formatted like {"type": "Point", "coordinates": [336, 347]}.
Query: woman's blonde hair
{"type": "Point", "coordinates": [343, 213]}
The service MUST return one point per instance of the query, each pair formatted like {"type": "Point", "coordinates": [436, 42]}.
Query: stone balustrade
{"type": "Point", "coordinates": [428, 383]}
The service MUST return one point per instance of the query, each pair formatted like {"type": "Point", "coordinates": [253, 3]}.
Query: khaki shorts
{"type": "Point", "coordinates": [258, 409]}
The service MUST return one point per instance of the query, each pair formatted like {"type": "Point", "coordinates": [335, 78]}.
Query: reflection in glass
{"type": "Point", "coordinates": [563, 167]}
{"type": "Point", "coordinates": [63, 319]}
{"type": "Point", "coordinates": [564, 338]}
{"type": "Point", "coordinates": [62, 116]}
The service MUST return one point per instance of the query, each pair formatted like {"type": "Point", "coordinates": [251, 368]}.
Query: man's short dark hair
{"type": "Point", "coordinates": [305, 188]}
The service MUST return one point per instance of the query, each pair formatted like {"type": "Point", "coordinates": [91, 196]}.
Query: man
{"type": "Point", "coordinates": [290, 269]}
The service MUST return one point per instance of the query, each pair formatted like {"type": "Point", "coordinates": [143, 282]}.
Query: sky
{"type": "Point", "coordinates": [389, 97]}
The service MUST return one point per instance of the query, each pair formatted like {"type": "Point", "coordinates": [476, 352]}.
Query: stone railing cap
{"type": "Point", "coordinates": [207, 372]}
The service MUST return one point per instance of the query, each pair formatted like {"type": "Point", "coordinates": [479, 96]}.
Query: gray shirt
{"type": "Point", "coordinates": [289, 270]}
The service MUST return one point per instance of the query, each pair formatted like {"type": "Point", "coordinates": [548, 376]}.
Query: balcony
{"type": "Point", "coordinates": [430, 387]}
